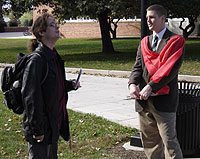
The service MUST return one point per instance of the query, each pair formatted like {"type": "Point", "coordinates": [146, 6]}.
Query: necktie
{"type": "Point", "coordinates": [155, 42]}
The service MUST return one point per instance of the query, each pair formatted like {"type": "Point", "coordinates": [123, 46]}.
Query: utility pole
{"type": "Point", "coordinates": [144, 27]}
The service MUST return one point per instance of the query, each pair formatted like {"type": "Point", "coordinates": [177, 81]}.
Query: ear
{"type": "Point", "coordinates": [163, 19]}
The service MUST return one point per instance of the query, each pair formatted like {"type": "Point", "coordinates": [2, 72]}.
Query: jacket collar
{"type": "Point", "coordinates": [45, 51]}
{"type": "Point", "coordinates": [163, 41]}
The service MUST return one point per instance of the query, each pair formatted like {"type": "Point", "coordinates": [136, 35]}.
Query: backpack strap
{"type": "Point", "coordinates": [46, 74]}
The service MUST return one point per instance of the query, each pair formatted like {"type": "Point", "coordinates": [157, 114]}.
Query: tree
{"type": "Point", "coordinates": [182, 9]}
{"type": "Point", "coordinates": [101, 10]}
{"type": "Point", "coordinates": [122, 10]}
{"type": "Point", "coordinates": [2, 22]}
{"type": "Point", "coordinates": [113, 30]}
{"type": "Point", "coordinates": [94, 9]}
{"type": "Point", "coordinates": [18, 8]}
{"type": "Point", "coordinates": [106, 11]}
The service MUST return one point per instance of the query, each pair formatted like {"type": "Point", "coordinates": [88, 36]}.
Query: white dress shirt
{"type": "Point", "coordinates": [159, 35]}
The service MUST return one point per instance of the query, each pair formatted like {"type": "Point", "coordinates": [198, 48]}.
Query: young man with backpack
{"type": "Point", "coordinates": [44, 92]}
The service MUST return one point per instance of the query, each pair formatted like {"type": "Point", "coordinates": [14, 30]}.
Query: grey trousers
{"type": "Point", "coordinates": [158, 133]}
{"type": "Point", "coordinates": [42, 151]}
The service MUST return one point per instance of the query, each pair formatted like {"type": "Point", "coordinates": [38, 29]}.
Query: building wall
{"type": "Point", "coordinates": [92, 29]}
{"type": "Point", "coordinates": [16, 29]}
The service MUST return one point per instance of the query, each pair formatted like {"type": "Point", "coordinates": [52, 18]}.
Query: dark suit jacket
{"type": "Point", "coordinates": [140, 76]}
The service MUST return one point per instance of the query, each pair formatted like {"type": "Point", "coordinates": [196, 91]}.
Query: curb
{"type": "Point", "coordinates": [111, 73]}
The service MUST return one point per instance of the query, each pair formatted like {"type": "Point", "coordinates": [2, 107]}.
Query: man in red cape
{"type": "Point", "coordinates": [154, 84]}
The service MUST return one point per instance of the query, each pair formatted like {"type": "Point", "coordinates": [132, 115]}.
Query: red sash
{"type": "Point", "coordinates": [159, 65]}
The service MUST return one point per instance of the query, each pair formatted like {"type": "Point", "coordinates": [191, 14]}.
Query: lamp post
{"type": "Point", "coordinates": [144, 27]}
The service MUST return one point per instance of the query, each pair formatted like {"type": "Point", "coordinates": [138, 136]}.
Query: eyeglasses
{"type": "Point", "coordinates": [53, 25]}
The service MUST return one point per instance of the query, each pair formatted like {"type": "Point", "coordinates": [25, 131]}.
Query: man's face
{"type": "Point", "coordinates": [52, 31]}
{"type": "Point", "coordinates": [154, 22]}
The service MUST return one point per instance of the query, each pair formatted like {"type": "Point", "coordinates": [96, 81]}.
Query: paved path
{"type": "Point", "coordinates": [13, 35]}
{"type": "Point", "coordinates": [105, 97]}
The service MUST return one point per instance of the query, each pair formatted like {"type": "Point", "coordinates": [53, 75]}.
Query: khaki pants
{"type": "Point", "coordinates": [158, 133]}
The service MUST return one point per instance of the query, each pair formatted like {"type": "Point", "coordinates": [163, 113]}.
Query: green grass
{"type": "Point", "coordinates": [92, 136]}
{"type": "Point", "coordinates": [86, 53]}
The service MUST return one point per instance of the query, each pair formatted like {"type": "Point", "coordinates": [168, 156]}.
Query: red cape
{"type": "Point", "coordinates": [159, 65]}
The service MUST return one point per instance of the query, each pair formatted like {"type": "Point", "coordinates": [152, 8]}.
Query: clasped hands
{"type": "Point", "coordinates": [135, 92]}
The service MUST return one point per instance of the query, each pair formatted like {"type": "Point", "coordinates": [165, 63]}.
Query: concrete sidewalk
{"type": "Point", "coordinates": [104, 93]}
{"type": "Point", "coordinates": [105, 97]}
{"type": "Point", "coordinates": [14, 35]}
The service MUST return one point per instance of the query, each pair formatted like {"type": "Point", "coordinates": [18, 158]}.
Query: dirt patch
{"type": "Point", "coordinates": [119, 152]}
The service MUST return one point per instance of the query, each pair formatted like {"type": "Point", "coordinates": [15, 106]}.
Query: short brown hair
{"type": "Point", "coordinates": [160, 10]}
{"type": "Point", "coordinates": [40, 25]}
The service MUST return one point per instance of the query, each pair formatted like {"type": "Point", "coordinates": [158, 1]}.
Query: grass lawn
{"type": "Point", "coordinates": [86, 53]}
{"type": "Point", "coordinates": [92, 136]}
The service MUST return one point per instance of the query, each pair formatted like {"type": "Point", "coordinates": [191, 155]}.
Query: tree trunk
{"type": "Point", "coordinates": [113, 30]}
{"type": "Point", "coordinates": [114, 33]}
{"type": "Point", "coordinates": [107, 46]}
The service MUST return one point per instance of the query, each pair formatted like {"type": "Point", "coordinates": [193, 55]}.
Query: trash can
{"type": "Point", "coordinates": [188, 118]}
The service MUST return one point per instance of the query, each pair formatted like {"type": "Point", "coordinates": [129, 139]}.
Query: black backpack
{"type": "Point", "coordinates": [11, 83]}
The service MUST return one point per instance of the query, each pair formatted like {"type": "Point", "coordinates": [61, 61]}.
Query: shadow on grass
{"type": "Point", "coordinates": [99, 56]}
{"type": "Point", "coordinates": [192, 51]}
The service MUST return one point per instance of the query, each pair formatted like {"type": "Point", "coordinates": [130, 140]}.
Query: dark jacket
{"type": "Point", "coordinates": [140, 76]}
{"type": "Point", "coordinates": [41, 99]}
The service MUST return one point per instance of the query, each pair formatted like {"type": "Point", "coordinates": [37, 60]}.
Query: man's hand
{"type": "Point", "coordinates": [76, 84]}
{"type": "Point", "coordinates": [145, 92]}
{"type": "Point", "coordinates": [134, 91]}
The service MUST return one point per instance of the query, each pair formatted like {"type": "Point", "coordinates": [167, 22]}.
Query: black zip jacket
{"type": "Point", "coordinates": [40, 99]}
